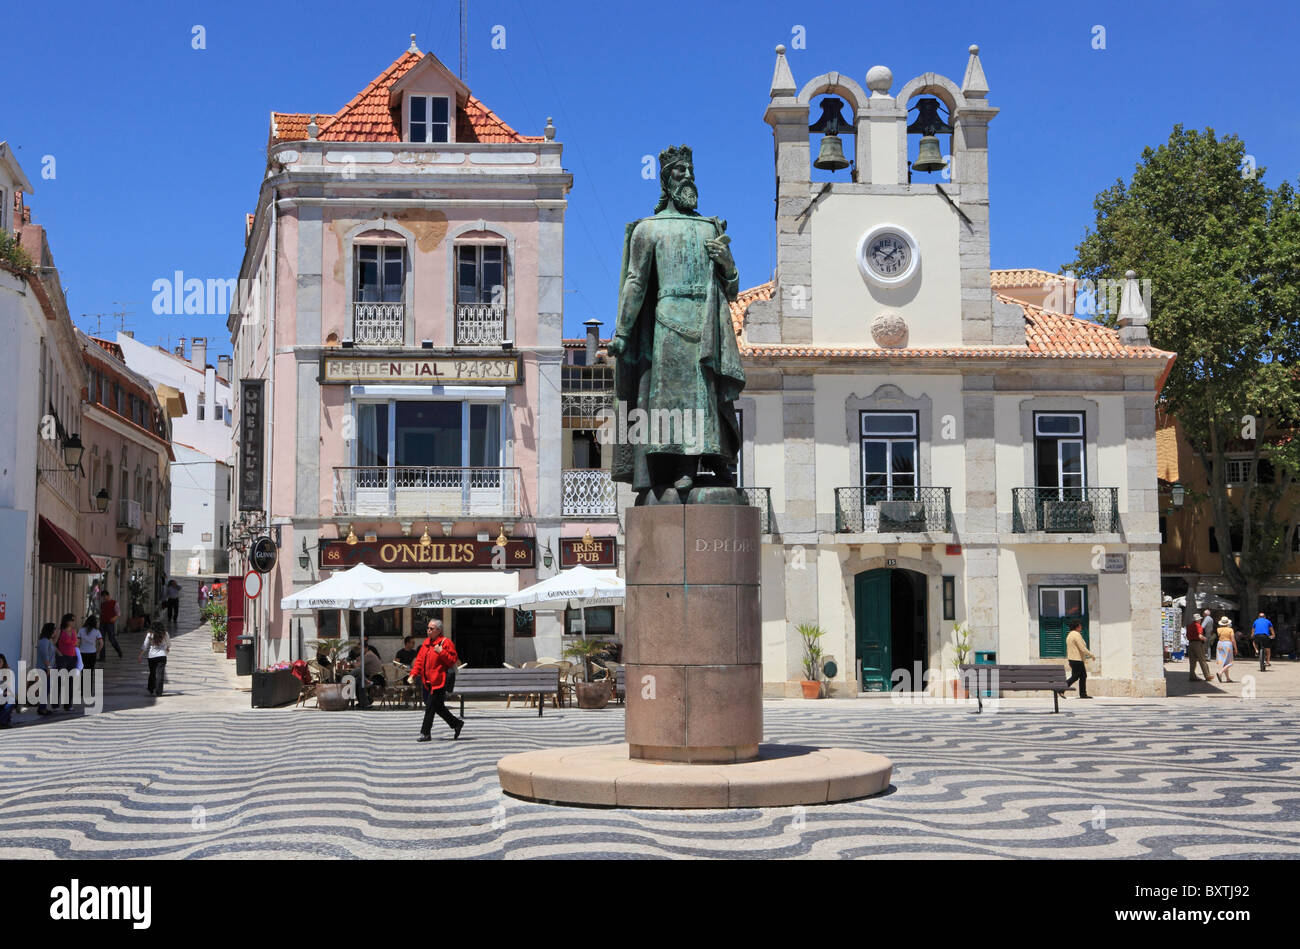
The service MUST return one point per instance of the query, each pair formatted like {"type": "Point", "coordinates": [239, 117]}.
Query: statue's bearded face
{"type": "Point", "coordinates": [681, 187]}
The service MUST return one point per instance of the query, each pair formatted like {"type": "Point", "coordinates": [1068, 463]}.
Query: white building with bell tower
{"type": "Point", "coordinates": [936, 442]}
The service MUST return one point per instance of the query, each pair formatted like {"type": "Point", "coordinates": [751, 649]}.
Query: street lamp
{"type": "Point", "coordinates": [548, 558]}
{"type": "Point", "coordinates": [72, 451]}
{"type": "Point", "coordinates": [304, 560]}
{"type": "Point", "coordinates": [1178, 493]}
{"type": "Point", "coordinates": [101, 500]}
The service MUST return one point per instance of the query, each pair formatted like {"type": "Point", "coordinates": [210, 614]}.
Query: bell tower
{"type": "Point", "coordinates": [885, 242]}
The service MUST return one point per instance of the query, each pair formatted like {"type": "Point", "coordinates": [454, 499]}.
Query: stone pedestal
{"type": "Point", "coordinates": [694, 686]}
{"type": "Point", "coordinates": [693, 642]}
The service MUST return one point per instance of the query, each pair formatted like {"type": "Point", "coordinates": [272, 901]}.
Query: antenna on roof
{"type": "Point", "coordinates": [464, 40]}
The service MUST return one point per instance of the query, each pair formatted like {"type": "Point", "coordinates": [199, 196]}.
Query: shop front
{"type": "Point", "coordinates": [473, 577]}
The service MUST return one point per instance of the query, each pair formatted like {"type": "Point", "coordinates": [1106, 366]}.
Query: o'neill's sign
{"type": "Point", "coordinates": [448, 553]}
{"type": "Point", "coordinates": [436, 370]}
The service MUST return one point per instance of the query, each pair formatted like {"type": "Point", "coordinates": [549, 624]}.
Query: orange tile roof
{"type": "Point", "coordinates": [1047, 334]}
{"type": "Point", "coordinates": [368, 117]}
{"type": "Point", "coordinates": [1023, 277]}
{"type": "Point", "coordinates": [740, 306]}
{"type": "Point", "coordinates": [109, 346]}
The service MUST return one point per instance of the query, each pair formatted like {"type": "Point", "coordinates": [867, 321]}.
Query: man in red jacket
{"type": "Point", "coordinates": [437, 654]}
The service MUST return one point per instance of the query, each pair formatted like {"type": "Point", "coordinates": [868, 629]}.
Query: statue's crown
{"type": "Point", "coordinates": [674, 155]}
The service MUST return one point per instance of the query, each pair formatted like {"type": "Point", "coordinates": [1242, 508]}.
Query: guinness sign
{"type": "Point", "coordinates": [448, 553]}
{"type": "Point", "coordinates": [263, 555]}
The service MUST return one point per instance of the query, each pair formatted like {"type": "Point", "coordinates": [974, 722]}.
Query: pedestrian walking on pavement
{"type": "Point", "coordinates": [173, 600]}
{"type": "Point", "coordinates": [67, 657]}
{"type": "Point", "coordinates": [156, 645]}
{"type": "Point", "coordinates": [90, 641]}
{"type": "Point", "coordinates": [1196, 650]}
{"type": "Point", "coordinates": [1211, 631]}
{"type": "Point", "coordinates": [203, 595]}
{"type": "Point", "coordinates": [45, 663]}
{"type": "Point", "coordinates": [1264, 634]}
{"type": "Point", "coordinates": [436, 657]}
{"type": "Point", "coordinates": [1227, 648]}
{"type": "Point", "coordinates": [1076, 652]}
{"type": "Point", "coordinates": [108, 624]}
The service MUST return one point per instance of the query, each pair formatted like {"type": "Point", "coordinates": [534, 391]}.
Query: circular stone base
{"type": "Point", "coordinates": [781, 776]}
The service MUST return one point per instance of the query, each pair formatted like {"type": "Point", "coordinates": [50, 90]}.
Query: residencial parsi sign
{"type": "Point", "coordinates": [438, 370]}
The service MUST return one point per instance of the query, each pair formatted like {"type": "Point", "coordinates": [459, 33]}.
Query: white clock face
{"type": "Point", "coordinates": [889, 254]}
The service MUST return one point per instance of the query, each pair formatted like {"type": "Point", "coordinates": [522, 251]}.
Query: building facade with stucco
{"type": "Point", "coordinates": [940, 443]}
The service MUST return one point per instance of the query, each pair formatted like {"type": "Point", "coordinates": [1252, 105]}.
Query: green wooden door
{"type": "Point", "coordinates": [872, 610]}
{"type": "Point", "coordinates": [1057, 608]}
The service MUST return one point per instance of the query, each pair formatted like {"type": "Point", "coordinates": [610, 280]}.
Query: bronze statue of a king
{"type": "Point", "coordinates": [677, 369]}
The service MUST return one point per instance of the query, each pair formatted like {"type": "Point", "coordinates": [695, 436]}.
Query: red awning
{"type": "Point", "coordinates": [60, 549]}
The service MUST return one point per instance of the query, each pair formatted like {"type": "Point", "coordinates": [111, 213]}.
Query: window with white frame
{"type": "Point", "coordinates": [890, 449]}
{"type": "Point", "coordinates": [428, 434]}
{"type": "Point", "coordinates": [1059, 451]}
{"type": "Point", "coordinates": [428, 119]}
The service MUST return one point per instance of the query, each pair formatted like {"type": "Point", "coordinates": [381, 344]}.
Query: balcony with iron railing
{"type": "Point", "coordinates": [378, 324]}
{"type": "Point", "coordinates": [130, 515]}
{"type": "Point", "coordinates": [893, 510]}
{"type": "Point", "coordinates": [1065, 510]}
{"type": "Point", "coordinates": [589, 492]}
{"type": "Point", "coordinates": [480, 324]}
{"type": "Point", "coordinates": [418, 491]}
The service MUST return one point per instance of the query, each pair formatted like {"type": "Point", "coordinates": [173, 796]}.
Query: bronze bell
{"type": "Point", "coordinates": [830, 157]}
{"type": "Point", "coordinates": [929, 157]}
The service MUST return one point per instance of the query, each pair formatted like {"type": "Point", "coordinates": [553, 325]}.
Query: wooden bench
{"type": "Point", "coordinates": [540, 682]}
{"type": "Point", "coordinates": [1036, 678]}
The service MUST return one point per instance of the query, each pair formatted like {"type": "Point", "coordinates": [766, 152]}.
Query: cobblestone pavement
{"type": "Point", "coordinates": [198, 773]}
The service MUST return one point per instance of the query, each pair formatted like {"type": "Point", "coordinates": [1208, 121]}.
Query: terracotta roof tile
{"type": "Point", "coordinates": [368, 117]}
{"type": "Point", "coordinates": [109, 346]}
{"type": "Point", "coordinates": [1047, 334]}
{"type": "Point", "coordinates": [1022, 277]}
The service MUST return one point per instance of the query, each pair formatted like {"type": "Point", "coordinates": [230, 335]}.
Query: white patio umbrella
{"type": "Point", "coordinates": [360, 588]}
{"type": "Point", "coordinates": [575, 588]}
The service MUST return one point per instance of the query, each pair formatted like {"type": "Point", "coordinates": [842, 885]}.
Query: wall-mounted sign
{"type": "Point", "coordinates": [891, 563]}
{"type": "Point", "coordinates": [435, 370]}
{"type": "Point", "coordinates": [251, 417]}
{"type": "Point", "coordinates": [598, 552]}
{"type": "Point", "coordinates": [138, 552]}
{"type": "Point", "coordinates": [447, 553]}
{"type": "Point", "coordinates": [1116, 563]}
{"type": "Point", "coordinates": [262, 555]}
{"type": "Point", "coordinates": [252, 585]}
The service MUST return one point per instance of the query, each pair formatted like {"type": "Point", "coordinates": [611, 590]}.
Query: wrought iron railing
{"type": "Point", "coordinates": [582, 409]}
{"type": "Point", "coordinates": [130, 514]}
{"type": "Point", "coordinates": [589, 492]}
{"type": "Point", "coordinates": [379, 324]}
{"type": "Point", "coordinates": [480, 324]}
{"type": "Point", "coordinates": [1065, 510]}
{"type": "Point", "coordinates": [761, 498]}
{"type": "Point", "coordinates": [885, 510]}
{"type": "Point", "coordinates": [418, 491]}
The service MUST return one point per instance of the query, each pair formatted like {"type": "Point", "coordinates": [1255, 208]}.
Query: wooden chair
{"type": "Point", "coordinates": [530, 664]}
{"type": "Point", "coordinates": [308, 690]}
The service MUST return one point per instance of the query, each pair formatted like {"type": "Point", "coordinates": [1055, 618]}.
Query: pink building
{"type": "Point", "coordinates": [397, 355]}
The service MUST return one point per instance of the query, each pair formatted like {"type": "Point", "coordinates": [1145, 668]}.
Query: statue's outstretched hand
{"type": "Point", "coordinates": [720, 253]}
{"type": "Point", "coordinates": [616, 346]}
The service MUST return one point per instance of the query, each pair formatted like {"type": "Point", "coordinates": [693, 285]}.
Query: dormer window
{"type": "Point", "coordinates": [428, 119]}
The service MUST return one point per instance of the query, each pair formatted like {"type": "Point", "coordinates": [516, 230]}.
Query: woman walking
{"type": "Point", "coordinates": [156, 644]}
{"type": "Point", "coordinates": [90, 641]}
{"type": "Point", "coordinates": [1227, 648]}
{"type": "Point", "coordinates": [66, 654]}
{"type": "Point", "coordinates": [45, 663]}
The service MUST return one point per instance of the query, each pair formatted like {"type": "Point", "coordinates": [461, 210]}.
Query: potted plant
{"type": "Point", "coordinates": [591, 694]}
{"type": "Point", "coordinates": [214, 614]}
{"type": "Point", "coordinates": [811, 634]}
{"type": "Point", "coordinates": [960, 653]}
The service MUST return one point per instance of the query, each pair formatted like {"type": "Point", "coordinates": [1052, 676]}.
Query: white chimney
{"type": "Point", "coordinates": [223, 367]}
{"type": "Point", "coordinates": [199, 353]}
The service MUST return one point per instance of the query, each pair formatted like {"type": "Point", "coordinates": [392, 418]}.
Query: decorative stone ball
{"type": "Point", "coordinates": [889, 331]}
{"type": "Point", "coordinates": [879, 79]}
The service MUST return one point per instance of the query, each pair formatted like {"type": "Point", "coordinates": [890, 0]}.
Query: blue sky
{"type": "Point", "coordinates": [158, 148]}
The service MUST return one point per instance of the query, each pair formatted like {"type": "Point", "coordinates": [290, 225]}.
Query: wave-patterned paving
{"type": "Point", "coordinates": [1147, 780]}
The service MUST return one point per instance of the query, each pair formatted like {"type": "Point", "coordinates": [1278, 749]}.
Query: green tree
{"type": "Point", "coordinates": [1222, 252]}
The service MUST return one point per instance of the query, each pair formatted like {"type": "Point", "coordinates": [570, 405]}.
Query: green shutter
{"type": "Point", "coordinates": [1051, 637]}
